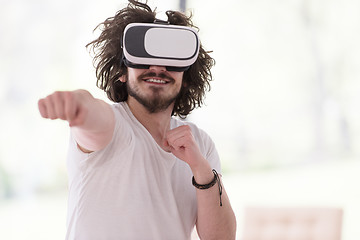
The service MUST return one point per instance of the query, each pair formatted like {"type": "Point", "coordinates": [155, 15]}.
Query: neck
{"type": "Point", "coordinates": [157, 123]}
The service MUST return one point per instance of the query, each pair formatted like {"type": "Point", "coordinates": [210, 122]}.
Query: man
{"type": "Point", "coordinates": [135, 171]}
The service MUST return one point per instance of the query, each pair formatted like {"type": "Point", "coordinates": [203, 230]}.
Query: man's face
{"type": "Point", "coordinates": [155, 88]}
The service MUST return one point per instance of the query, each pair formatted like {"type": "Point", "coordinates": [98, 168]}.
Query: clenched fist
{"type": "Point", "coordinates": [182, 144]}
{"type": "Point", "coordinates": [66, 105]}
{"type": "Point", "coordinates": [93, 119]}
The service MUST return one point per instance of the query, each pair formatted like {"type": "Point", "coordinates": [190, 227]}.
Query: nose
{"type": "Point", "coordinates": [157, 68]}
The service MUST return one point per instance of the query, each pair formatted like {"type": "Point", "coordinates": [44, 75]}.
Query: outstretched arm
{"type": "Point", "coordinates": [91, 120]}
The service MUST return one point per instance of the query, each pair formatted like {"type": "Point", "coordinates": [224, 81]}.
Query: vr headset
{"type": "Point", "coordinates": [153, 44]}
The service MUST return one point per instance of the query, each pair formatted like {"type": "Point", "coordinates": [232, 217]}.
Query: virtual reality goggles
{"type": "Point", "coordinates": [153, 44]}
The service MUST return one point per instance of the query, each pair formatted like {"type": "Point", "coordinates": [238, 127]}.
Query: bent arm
{"type": "Point", "coordinates": [213, 221]}
{"type": "Point", "coordinates": [92, 120]}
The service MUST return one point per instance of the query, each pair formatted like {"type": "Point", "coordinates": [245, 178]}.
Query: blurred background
{"type": "Point", "coordinates": [283, 109]}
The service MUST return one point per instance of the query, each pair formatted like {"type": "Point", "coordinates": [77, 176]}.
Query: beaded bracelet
{"type": "Point", "coordinates": [209, 185]}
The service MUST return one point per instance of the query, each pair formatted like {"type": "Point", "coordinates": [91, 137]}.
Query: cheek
{"type": "Point", "coordinates": [130, 76]}
{"type": "Point", "coordinates": [133, 74]}
{"type": "Point", "coordinates": [179, 76]}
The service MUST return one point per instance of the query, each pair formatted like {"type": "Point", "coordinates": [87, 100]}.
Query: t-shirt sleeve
{"type": "Point", "coordinates": [211, 154]}
{"type": "Point", "coordinates": [121, 133]}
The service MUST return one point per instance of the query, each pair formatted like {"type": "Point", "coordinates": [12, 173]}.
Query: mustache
{"type": "Point", "coordinates": [162, 75]}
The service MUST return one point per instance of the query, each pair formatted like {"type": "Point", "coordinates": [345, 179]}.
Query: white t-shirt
{"type": "Point", "coordinates": [133, 189]}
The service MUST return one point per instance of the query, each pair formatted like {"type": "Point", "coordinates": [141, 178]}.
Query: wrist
{"type": "Point", "coordinates": [202, 172]}
{"type": "Point", "coordinates": [215, 180]}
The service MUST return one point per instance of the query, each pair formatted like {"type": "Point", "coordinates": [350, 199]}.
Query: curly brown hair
{"type": "Point", "coordinates": [108, 58]}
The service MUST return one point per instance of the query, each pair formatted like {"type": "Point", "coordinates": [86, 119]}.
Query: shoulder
{"type": "Point", "coordinates": [123, 115]}
{"type": "Point", "coordinates": [124, 122]}
{"type": "Point", "coordinates": [119, 108]}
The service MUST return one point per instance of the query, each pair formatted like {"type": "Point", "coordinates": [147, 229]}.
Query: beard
{"type": "Point", "coordinates": [157, 102]}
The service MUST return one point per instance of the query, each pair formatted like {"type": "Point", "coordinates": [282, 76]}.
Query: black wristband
{"type": "Point", "coordinates": [209, 185]}
{"type": "Point", "coordinates": [204, 186]}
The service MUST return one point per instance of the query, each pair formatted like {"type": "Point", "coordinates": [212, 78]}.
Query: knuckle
{"type": "Point", "coordinates": [68, 96]}
{"type": "Point", "coordinates": [187, 129]}
{"type": "Point", "coordinates": [52, 97]}
{"type": "Point", "coordinates": [48, 98]}
{"type": "Point", "coordinates": [57, 94]}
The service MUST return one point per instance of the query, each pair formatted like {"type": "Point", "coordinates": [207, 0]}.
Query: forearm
{"type": "Point", "coordinates": [213, 221]}
{"type": "Point", "coordinates": [96, 130]}
{"type": "Point", "coordinates": [92, 120]}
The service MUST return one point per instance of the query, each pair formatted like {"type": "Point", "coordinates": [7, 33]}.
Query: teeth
{"type": "Point", "coordinates": [155, 80]}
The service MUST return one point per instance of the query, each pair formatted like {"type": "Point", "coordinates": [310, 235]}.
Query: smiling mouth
{"type": "Point", "coordinates": [158, 81]}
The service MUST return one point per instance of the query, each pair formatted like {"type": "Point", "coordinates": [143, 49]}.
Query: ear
{"type": "Point", "coordinates": [122, 78]}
